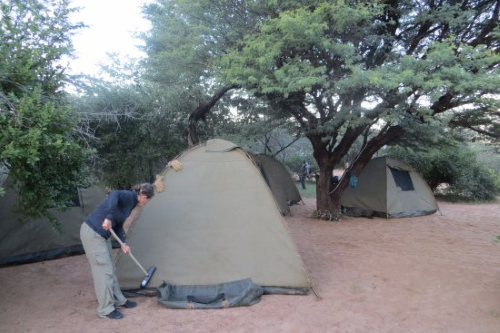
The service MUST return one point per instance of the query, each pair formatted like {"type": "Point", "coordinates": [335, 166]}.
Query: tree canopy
{"type": "Point", "coordinates": [133, 131]}
{"type": "Point", "coordinates": [347, 72]}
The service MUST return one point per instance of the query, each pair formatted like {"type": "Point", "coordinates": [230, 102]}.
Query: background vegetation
{"type": "Point", "coordinates": [456, 173]}
{"type": "Point", "coordinates": [332, 82]}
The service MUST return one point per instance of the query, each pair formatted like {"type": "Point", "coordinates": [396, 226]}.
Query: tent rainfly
{"type": "Point", "coordinates": [215, 234]}
{"type": "Point", "coordinates": [389, 188]}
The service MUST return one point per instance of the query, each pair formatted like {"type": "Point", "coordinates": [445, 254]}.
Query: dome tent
{"type": "Point", "coordinates": [215, 225]}
{"type": "Point", "coordinates": [389, 188]}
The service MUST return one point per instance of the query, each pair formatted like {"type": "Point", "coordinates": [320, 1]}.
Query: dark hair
{"type": "Point", "coordinates": [145, 188]}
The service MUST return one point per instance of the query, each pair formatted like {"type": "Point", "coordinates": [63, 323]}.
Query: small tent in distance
{"type": "Point", "coordinates": [35, 240]}
{"type": "Point", "coordinates": [279, 180]}
{"type": "Point", "coordinates": [389, 188]}
{"type": "Point", "coordinates": [215, 223]}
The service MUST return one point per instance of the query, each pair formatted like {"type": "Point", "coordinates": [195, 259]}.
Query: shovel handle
{"type": "Point", "coordinates": [130, 253]}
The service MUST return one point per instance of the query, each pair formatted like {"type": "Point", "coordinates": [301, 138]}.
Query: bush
{"type": "Point", "coordinates": [459, 168]}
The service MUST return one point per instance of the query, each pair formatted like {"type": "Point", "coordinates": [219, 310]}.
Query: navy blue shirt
{"type": "Point", "coordinates": [116, 207]}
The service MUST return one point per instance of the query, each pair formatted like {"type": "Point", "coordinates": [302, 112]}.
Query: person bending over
{"type": "Point", "coordinates": [95, 236]}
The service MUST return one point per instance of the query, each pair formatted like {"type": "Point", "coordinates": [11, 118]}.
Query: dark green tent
{"type": "Point", "coordinates": [215, 223]}
{"type": "Point", "coordinates": [279, 180]}
{"type": "Point", "coordinates": [35, 240]}
{"type": "Point", "coordinates": [389, 188]}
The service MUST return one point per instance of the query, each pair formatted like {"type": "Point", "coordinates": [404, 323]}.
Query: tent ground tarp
{"type": "Point", "coordinates": [217, 296]}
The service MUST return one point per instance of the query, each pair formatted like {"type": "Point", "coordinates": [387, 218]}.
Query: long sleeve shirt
{"type": "Point", "coordinates": [116, 207]}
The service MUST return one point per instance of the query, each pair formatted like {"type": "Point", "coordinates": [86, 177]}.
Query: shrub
{"type": "Point", "coordinates": [458, 167]}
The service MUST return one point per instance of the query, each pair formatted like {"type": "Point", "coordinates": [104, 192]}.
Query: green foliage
{"type": "Point", "coordinates": [277, 142]}
{"type": "Point", "coordinates": [351, 76]}
{"type": "Point", "coordinates": [136, 136]}
{"type": "Point", "coordinates": [184, 40]}
{"type": "Point", "coordinates": [295, 160]}
{"type": "Point", "coordinates": [36, 144]}
{"type": "Point", "coordinates": [457, 167]}
{"type": "Point", "coordinates": [488, 155]}
{"type": "Point", "coordinates": [41, 156]}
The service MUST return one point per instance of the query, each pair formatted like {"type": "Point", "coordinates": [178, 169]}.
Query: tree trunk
{"type": "Point", "coordinates": [326, 163]}
{"type": "Point", "coordinates": [323, 201]}
{"type": "Point", "coordinates": [327, 159]}
{"type": "Point", "coordinates": [329, 200]}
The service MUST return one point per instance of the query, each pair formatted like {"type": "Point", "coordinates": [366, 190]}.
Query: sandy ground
{"type": "Point", "coordinates": [432, 274]}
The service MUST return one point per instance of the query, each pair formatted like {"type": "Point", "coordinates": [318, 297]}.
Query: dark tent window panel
{"type": "Point", "coordinates": [402, 179]}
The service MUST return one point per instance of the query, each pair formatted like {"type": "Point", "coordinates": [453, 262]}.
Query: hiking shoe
{"type": "Point", "coordinates": [128, 305]}
{"type": "Point", "coordinates": [113, 315]}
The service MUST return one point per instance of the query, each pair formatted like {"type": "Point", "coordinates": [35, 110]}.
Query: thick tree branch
{"type": "Point", "coordinates": [201, 113]}
{"type": "Point", "coordinates": [488, 28]}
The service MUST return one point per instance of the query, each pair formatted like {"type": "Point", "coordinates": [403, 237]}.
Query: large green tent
{"type": "Point", "coordinates": [36, 240]}
{"type": "Point", "coordinates": [389, 188]}
{"type": "Point", "coordinates": [215, 223]}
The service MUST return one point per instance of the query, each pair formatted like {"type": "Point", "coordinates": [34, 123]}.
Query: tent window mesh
{"type": "Point", "coordinates": [402, 179]}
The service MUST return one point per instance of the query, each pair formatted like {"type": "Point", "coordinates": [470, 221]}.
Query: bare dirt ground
{"type": "Point", "coordinates": [431, 274]}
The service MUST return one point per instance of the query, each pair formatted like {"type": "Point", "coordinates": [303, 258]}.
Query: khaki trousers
{"type": "Point", "coordinates": [99, 254]}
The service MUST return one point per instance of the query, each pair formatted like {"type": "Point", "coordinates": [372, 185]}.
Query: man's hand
{"type": "Point", "coordinates": [125, 248]}
{"type": "Point", "coordinates": [106, 224]}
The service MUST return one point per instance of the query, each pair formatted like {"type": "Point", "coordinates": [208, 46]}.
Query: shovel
{"type": "Point", "coordinates": [149, 273]}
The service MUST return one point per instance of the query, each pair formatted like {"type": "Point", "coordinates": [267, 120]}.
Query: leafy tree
{"type": "Point", "coordinates": [372, 71]}
{"type": "Point", "coordinates": [353, 76]}
{"type": "Point", "coordinates": [488, 155]}
{"type": "Point", "coordinates": [37, 145]}
{"type": "Point", "coordinates": [185, 40]}
{"type": "Point", "coordinates": [132, 130]}
{"type": "Point", "coordinates": [264, 138]}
